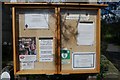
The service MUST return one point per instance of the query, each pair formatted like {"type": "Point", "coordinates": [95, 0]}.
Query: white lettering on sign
{"type": "Point", "coordinates": [64, 55]}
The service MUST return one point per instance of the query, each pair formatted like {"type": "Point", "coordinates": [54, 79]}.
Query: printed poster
{"type": "Point", "coordinates": [46, 49]}
{"type": "Point", "coordinates": [27, 52]}
{"type": "Point", "coordinates": [65, 56]}
{"type": "Point", "coordinates": [83, 60]}
{"type": "Point", "coordinates": [27, 46]}
{"type": "Point", "coordinates": [36, 20]}
{"type": "Point", "coordinates": [86, 33]}
{"type": "Point", "coordinates": [27, 65]}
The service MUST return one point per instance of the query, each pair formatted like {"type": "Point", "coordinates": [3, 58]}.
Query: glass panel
{"type": "Point", "coordinates": [36, 39]}
{"type": "Point", "coordinates": [78, 39]}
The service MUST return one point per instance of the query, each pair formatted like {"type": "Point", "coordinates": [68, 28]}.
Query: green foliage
{"type": "Point", "coordinates": [104, 66]}
{"type": "Point", "coordinates": [110, 32]}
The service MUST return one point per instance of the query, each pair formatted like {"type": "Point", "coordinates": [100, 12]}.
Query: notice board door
{"type": "Point", "coordinates": [34, 40]}
{"type": "Point", "coordinates": [56, 40]}
{"type": "Point", "coordinates": [80, 40]}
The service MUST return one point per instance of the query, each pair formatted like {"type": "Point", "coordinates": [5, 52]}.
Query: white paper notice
{"type": "Point", "coordinates": [73, 16]}
{"type": "Point", "coordinates": [46, 58]}
{"type": "Point", "coordinates": [27, 65]}
{"type": "Point", "coordinates": [83, 60]}
{"type": "Point", "coordinates": [46, 50]}
{"type": "Point", "coordinates": [13, 0]}
{"type": "Point", "coordinates": [85, 34]}
{"type": "Point", "coordinates": [27, 58]}
{"type": "Point", "coordinates": [84, 17]}
{"type": "Point", "coordinates": [38, 21]}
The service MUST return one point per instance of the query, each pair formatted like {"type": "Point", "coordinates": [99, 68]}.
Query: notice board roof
{"type": "Point", "coordinates": [93, 5]}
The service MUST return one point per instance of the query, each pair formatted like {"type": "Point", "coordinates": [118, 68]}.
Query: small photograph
{"type": "Point", "coordinates": [27, 46]}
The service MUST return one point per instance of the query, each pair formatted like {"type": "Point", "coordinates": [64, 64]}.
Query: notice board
{"type": "Point", "coordinates": [56, 40]}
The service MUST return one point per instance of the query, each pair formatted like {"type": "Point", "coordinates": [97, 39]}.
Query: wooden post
{"type": "Point", "coordinates": [98, 30]}
{"type": "Point", "coordinates": [58, 41]}
{"type": "Point", "coordinates": [14, 39]}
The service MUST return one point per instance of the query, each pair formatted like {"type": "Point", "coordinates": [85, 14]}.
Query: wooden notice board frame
{"type": "Point", "coordinates": [57, 36]}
